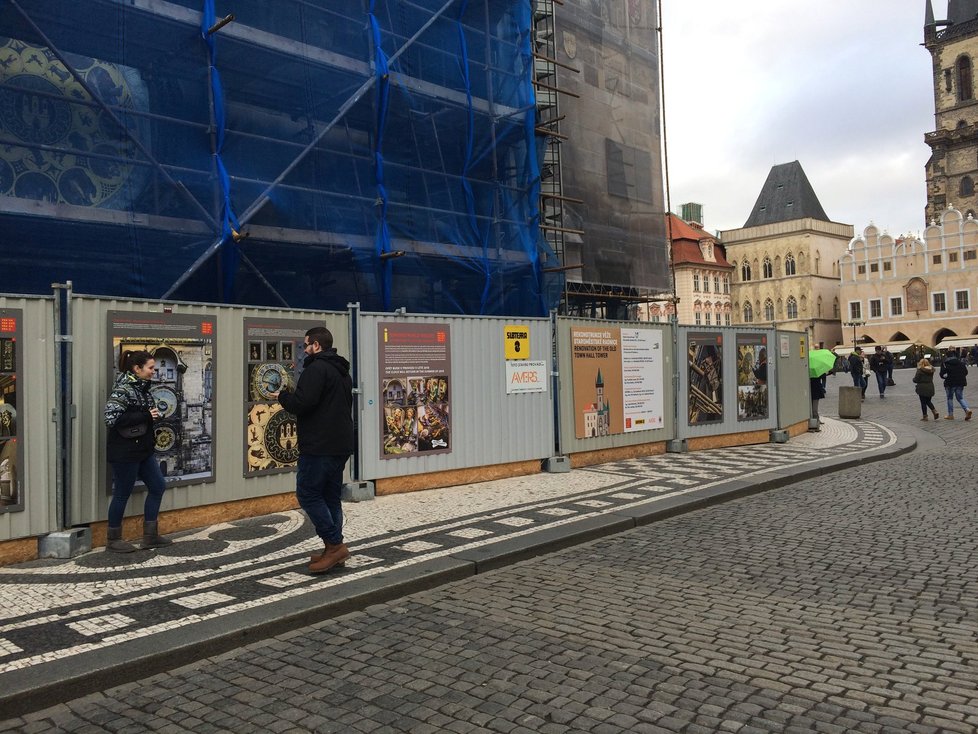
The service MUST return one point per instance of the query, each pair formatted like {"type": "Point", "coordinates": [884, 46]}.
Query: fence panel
{"type": "Point", "coordinates": [205, 363]}
{"type": "Point", "coordinates": [411, 422]}
{"type": "Point", "coordinates": [794, 397]}
{"type": "Point", "coordinates": [28, 441]}
{"type": "Point", "coordinates": [616, 383]}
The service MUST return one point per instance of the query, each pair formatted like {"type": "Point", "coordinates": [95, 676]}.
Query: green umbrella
{"type": "Point", "coordinates": [820, 361]}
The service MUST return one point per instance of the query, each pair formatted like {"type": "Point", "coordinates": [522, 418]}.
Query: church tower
{"type": "Point", "coordinates": [952, 170]}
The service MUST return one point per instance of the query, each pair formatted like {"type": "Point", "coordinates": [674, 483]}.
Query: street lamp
{"type": "Point", "coordinates": [854, 325]}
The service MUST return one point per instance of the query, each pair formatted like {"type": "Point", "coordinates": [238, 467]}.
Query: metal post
{"type": "Point", "coordinates": [64, 411]}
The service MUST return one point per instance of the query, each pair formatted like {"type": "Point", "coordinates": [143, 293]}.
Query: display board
{"type": "Point", "coordinates": [273, 360]}
{"type": "Point", "coordinates": [705, 370]}
{"type": "Point", "coordinates": [11, 446]}
{"type": "Point", "coordinates": [415, 388]}
{"type": "Point", "coordinates": [618, 380]}
{"type": "Point", "coordinates": [184, 347]}
{"type": "Point", "coordinates": [752, 377]}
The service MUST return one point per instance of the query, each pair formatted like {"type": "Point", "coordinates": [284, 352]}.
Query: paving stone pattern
{"type": "Point", "coordinates": [842, 604]}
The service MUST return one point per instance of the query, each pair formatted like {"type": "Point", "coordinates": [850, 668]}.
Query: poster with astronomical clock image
{"type": "Point", "coordinates": [273, 360]}
{"type": "Point", "coordinates": [184, 349]}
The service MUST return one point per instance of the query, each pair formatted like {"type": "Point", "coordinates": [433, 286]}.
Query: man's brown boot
{"type": "Point", "coordinates": [317, 556]}
{"type": "Point", "coordinates": [333, 556]}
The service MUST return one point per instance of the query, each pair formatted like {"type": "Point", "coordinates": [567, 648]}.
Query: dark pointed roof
{"type": "Point", "coordinates": [961, 11]}
{"type": "Point", "coordinates": [928, 14]}
{"type": "Point", "coordinates": [786, 195]}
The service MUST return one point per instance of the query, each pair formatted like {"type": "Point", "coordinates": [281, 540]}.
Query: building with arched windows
{"type": "Point", "coordinates": [910, 289]}
{"type": "Point", "coordinates": [952, 169]}
{"type": "Point", "coordinates": [785, 259]}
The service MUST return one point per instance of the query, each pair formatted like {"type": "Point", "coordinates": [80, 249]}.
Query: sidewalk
{"type": "Point", "coordinates": [70, 627]}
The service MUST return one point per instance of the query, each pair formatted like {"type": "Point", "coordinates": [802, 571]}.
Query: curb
{"type": "Point", "coordinates": [41, 686]}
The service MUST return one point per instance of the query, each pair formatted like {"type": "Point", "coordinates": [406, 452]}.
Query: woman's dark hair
{"type": "Point", "coordinates": [133, 358]}
{"type": "Point", "coordinates": [321, 335]}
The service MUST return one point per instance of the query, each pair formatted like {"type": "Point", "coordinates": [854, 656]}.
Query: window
{"type": "Point", "coordinates": [965, 89]}
{"type": "Point", "coordinates": [966, 187]}
{"type": "Point", "coordinates": [769, 310]}
{"type": "Point", "coordinates": [952, 257]}
{"type": "Point", "coordinates": [726, 319]}
{"type": "Point", "coordinates": [699, 318]}
{"type": "Point", "coordinates": [874, 267]}
{"type": "Point", "coordinates": [726, 285]}
{"type": "Point", "coordinates": [748, 314]}
{"type": "Point", "coordinates": [937, 259]}
{"type": "Point", "coordinates": [876, 309]}
{"type": "Point", "coordinates": [716, 284]}
{"type": "Point", "coordinates": [629, 171]}
{"type": "Point", "coordinates": [835, 308]}
{"type": "Point", "coordinates": [768, 268]}
{"type": "Point", "coordinates": [855, 311]}
{"type": "Point", "coordinates": [792, 306]}
{"type": "Point", "coordinates": [962, 301]}
{"type": "Point", "coordinates": [887, 265]}
{"type": "Point", "coordinates": [789, 265]}
{"type": "Point", "coordinates": [745, 271]}
{"type": "Point", "coordinates": [969, 254]}
{"type": "Point", "coordinates": [709, 318]}
{"type": "Point", "coordinates": [896, 307]}
{"type": "Point", "coordinates": [861, 269]}
{"type": "Point", "coordinates": [696, 282]}
{"type": "Point", "coordinates": [940, 302]}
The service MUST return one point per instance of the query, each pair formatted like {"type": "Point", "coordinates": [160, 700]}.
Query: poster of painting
{"type": "Point", "coordinates": [618, 380]}
{"type": "Point", "coordinates": [752, 394]}
{"type": "Point", "coordinates": [273, 360]}
{"type": "Point", "coordinates": [705, 360]}
{"type": "Point", "coordinates": [415, 389]}
{"type": "Point", "coordinates": [11, 447]}
{"type": "Point", "coordinates": [184, 350]}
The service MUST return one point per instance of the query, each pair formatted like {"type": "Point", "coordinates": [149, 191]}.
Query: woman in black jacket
{"type": "Point", "coordinates": [129, 415]}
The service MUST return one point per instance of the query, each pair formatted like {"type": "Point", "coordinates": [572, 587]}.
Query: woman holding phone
{"type": "Point", "coordinates": [129, 414]}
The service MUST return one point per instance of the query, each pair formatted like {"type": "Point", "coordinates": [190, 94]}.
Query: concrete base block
{"type": "Point", "coordinates": [850, 402]}
{"type": "Point", "coordinates": [358, 492]}
{"type": "Point", "coordinates": [677, 446]}
{"type": "Point", "coordinates": [779, 436]}
{"type": "Point", "coordinates": [557, 464]}
{"type": "Point", "coordinates": [65, 543]}
{"type": "Point", "coordinates": [813, 424]}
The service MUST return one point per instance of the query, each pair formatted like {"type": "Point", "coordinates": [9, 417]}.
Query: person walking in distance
{"type": "Point", "coordinates": [856, 370]}
{"type": "Point", "coordinates": [924, 379]}
{"type": "Point", "coordinates": [322, 403]}
{"type": "Point", "coordinates": [954, 371]}
{"type": "Point", "coordinates": [130, 448]}
{"type": "Point", "coordinates": [877, 363]}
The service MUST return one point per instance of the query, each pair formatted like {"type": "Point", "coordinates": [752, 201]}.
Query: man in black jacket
{"type": "Point", "coordinates": [955, 374]}
{"type": "Point", "coordinates": [322, 403]}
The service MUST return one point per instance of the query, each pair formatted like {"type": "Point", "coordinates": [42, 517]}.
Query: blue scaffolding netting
{"type": "Point", "coordinates": [307, 153]}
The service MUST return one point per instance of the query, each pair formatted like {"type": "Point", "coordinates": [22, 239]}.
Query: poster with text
{"type": "Point", "coordinates": [752, 394]}
{"type": "Point", "coordinates": [705, 361]}
{"type": "Point", "coordinates": [415, 389]}
{"type": "Point", "coordinates": [184, 349]}
{"type": "Point", "coordinates": [273, 360]}
{"type": "Point", "coordinates": [642, 375]}
{"type": "Point", "coordinates": [11, 447]}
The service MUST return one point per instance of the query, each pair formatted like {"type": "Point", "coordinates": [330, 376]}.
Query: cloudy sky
{"type": "Point", "coordinates": [843, 86]}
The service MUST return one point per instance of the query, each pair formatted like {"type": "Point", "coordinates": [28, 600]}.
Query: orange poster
{"type": "Point", "coordinates": [596, 364]}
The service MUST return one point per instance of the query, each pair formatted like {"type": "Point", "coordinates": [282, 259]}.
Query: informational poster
{"type": "Point", "coordinates": [752, 378]}
{"type": "Point", "coordinates": [526, 376]}
{"type": "Point", "coordinates": [184, 349]}
{"type": "Point", "coordinates": [273, 360]}
{"type": "Point", "coordinates": [415, 388]}
{"type": "Point", "coordinates": [705, 360]}
{"type": "Point", "coordinates": [618, 380]}
{"type": "Point", "coordinates": [11, 447]}
{"type": "Point", "coordinates": [784, 345]}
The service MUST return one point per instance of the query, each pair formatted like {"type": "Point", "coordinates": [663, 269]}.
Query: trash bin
{"type": "Point", "coordinates": [850, 402]}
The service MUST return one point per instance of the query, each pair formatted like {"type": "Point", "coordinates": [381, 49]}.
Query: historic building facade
{"type": "Point", "coordinates": [952, 170]}
{"type": "Point", "coordinates": [702, 278]}
{"type": "Point", "coordinates": [785, 259]}
{"type": "Point", "coordinates": [908, 289]}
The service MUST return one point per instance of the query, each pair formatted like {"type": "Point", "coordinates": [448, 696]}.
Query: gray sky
{"type": "Point", "coordinates": [843, 86]}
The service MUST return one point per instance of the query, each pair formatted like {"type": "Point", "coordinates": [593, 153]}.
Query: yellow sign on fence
{"type": "Point", "coordinates": [517, 342]}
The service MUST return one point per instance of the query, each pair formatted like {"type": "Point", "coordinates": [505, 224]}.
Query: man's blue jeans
{"type": "Point", "coordinates": [318, 486]}
{"type": "Point", "coordinates": [881, 381]}
{"type": "Point", "coordinates": [124, 475]}
{"type": "Point", "coordinates": [955, 393]}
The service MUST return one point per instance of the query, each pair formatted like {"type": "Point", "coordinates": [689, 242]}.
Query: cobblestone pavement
{"type": "Point", "coordinates": [842, 604]}
{"type": "Point", "coordinates": [54, 610]}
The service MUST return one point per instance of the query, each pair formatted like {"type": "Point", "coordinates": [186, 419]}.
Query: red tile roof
{"type": "Point", "coordinates": [686, 240]}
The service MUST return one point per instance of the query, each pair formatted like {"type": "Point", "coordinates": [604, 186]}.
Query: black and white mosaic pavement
{"type": "Point", "coordinates": [56, 609]}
